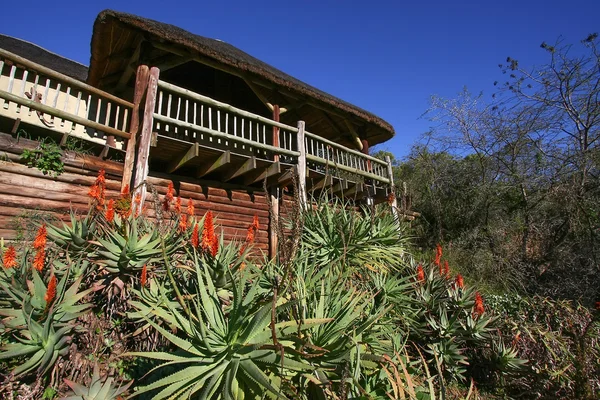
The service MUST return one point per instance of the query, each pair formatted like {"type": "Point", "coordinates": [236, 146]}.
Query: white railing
{"type": "Point", "coordinates": [325, 154]}
{"type": "Point", "coordinates": [41, 96]}
{"type": "Point", "coordinates": [189, 116]}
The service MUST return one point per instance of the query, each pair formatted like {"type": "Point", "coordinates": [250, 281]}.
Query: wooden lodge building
{"type": "Point", "coordinates": [157, 105]}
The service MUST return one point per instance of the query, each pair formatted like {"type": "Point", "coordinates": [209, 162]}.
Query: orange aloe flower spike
{"type": "Point", "coordinates": [9, 258]}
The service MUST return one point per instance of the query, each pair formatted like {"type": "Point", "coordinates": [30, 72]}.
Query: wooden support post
{"type": "Point", "coordinates": [192, 153]}
{"type": "Point", "coordinates": [273, 222]}
{"type": "Point", "coordinates": [394, 202]}
{"type": "Point", "coordinates": [276, 130]}
{"type": "Point", "coordinates": [215, 164]}
{"type": "Point", "coordinates": [141, 168]}
{"type": "Point", "coordinates": [302, 166]}
{"type": "Point", "coordinates": [141, 83]}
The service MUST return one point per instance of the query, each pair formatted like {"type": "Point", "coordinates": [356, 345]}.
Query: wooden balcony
{"type": "Point", "coordinates": [191, 134]}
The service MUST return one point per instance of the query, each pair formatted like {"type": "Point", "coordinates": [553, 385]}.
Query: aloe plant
{"type": "Point", "coordinates": [41, 343]}
{"type": "Point", "coordinates": [100, 388]}
{"type": "Point", "coordinates": [341, 236]}
{"type": "Point", "coordinates": [128, 251]}
{"type": "Point", "coordinates": [67, 304]}
{"type": "Point", "coordinates": [74, 237]}
{"type": "Point", "coordinates": [224, 352]}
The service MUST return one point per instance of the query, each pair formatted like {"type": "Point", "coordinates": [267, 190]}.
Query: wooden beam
{"type": "Point", "coordinates": [141, 83]}
{"type": "Point", "coordinates": [340, 186]}
{"type": "Point", "coordinates": [273, 222]}
{"type": "Point", "coordinates": [354, 135]}
{"type": "Point", "coordinates": [214, 165]}
{"type": "Point", "coordinates": [169, 61]}
{"type": "Point", "coordinates": [257, 92]}
{"type": "Point", "coordinates": [122, 83]}
{"type": "Point", "coordinates": [355, 191]}
{"type": "Point", "coordinates": [327, 180]}
{"type": "Point", "coordinates": [190, 154]}
{"type": "Point", "coordinates": [141, 170]}
{"type": "Point", "coordinates": [394, 202]}
{"type": "Point", "coordinates": [275, 131]}
{"type": "Point", "coordinates": [287, 177]}
{"type": "Point", "coordinates": [265, 173]}
{"type": "Point", "coordinates": [302, 165]}
{"type": "Point", "coordinates": [247, 166]}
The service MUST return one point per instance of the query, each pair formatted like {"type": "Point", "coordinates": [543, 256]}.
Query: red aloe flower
{"type": "Point", "coordinates": [97, 190]}
{"type": "Point", "coordinates": [38, 261]}
{"type": "Point", "coordinates": [214, 246]}
{"type": "Point", "coordinates": [178, 205]}
{"type": "Point", "coordinates": [391, 197]}
{"type": "Point", "coordinates": [460, 281]}
{"type": "Point", "coordinates": [41, 237]}
{"type": "Point", "coordinates": [101, 179]}
{"type": "Point", "coordinates": [110, 211]}
{"type": "Point", "coordinates": [478, 309]}
{"type": "Point", "coordinates": [250, 234]}
{"type": "Point", "coordinates": [137, 201]}
{"type": "Point", "coordinates": [195, 237]}
{"type": "Point", "coordinates": [168, 197]}
{"type": "Point", "coordinates": [420, 274]}
{"type": "Point", "coordinates": [9, 258]}
{"type": "Point", "coordinates": [438, 255]}
{"type": "Point", "coordinates": [208, 232]}
{"type": "Point", "coordinates": [190, 208]}
{"type": "Point", "coordinates": [597, 304]}
{"type": "Point", "coordinates": [125, 191]}
{"type": "Point", "coordinates": [183, 223]}
{"type": "Point", "coordinates": [255, 224]}
{"type": "Point", "coordinates": [51, 291]}
{"type": "Point", "coordinates": [144, 276]}
{"type": "Point", "coordinates": [446, 269]}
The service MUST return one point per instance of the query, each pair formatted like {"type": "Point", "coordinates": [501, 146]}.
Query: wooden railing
{"type": "Point", "coordinates": [325, 154]}
{"type": "Point", "coordinates": [189, 116]}
{"type": "Point", "coordinates": [42, 96]}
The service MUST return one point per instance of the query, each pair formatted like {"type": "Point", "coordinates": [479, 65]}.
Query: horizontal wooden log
{"type": "Point", "coordinates": [68, 177]}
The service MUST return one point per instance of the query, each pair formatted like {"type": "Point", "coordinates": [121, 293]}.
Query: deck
{"type": "Point", "coordinates": [190, 134]}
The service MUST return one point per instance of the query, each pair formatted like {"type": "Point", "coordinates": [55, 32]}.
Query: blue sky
{"type": "Point", "coordinates": [388, 57]}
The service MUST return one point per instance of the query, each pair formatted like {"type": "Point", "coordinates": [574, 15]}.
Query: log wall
{"type": "Point", "coordinates": [25, 190]}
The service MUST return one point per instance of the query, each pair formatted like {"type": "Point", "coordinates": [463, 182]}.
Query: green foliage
{"type": "Point", "coordinates": [98, 389]}
{"type": "Point", "coordinates": [47, 157]}
{"type": "Point", "coordinates": [338, 234]}
{"type": "Point", "coordinates": [344, 318]}
{"type": "Point", "coordinates": [562, 338]}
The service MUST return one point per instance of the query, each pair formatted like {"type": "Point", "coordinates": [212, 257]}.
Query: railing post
{"type": "Point", "coordinates": [141, 167]}
{"type": "Point", "coordinates": [276, 114]}
{"type": "Point", "coordinates": [302, 166]}
{"type": "Point", "coordinates": [141, 83]}
{"type": "Point", "coordinates": [394, 202]}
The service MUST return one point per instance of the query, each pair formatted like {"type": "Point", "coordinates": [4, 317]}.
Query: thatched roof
{"type": "Point", "coordinates": [115, 32]}
{"type": "Point", "coordinates": [44, 57]}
